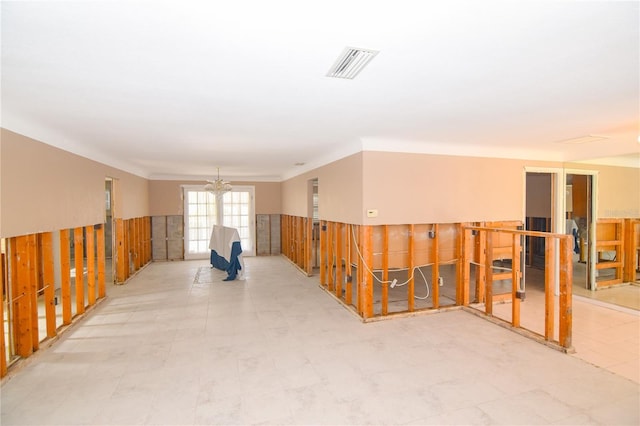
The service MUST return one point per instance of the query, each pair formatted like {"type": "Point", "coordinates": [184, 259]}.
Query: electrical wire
{"type": "Point", "coordinates": [372, 273]}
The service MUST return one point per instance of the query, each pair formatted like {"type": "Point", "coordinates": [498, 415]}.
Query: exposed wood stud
{"type": "Point", "coordinates": [330, 254]}
{"type": "Point", "coordinates": [385, 270]}
{"type": "Point", "coordinates": [35, 285]}
{"type": "Point", "coordinates": [366, 289]}
{"type": "Point", "coordinates": [467, 258]}
{"type": "Point", "coordinates": [549, 287]}
{"type": "Point", "coordinates": [360, 279]}
{"type": "Point", "coordinates": [120, 251]}
{"type": "Point", "coordinates": [515, 280]}
{"type": "Point", "coordinates": [323, 253]}
{"type": "Point", "coordinates": [100, 244]}
{"type": "Point", "coordinates": [78, 241]}
{"type": "Point", "coordinates": [22, 297]}
{"type": "Point", "coordinates": [481, 255]}
{"type": "Point", "coordinates": [65, 276]}
{"type": "Point", "coordinates": [411, 291]}
{"type": "Point", "coordinates": [348, 295]}
{"type": "Point", "coordinates": [488, 274]}
{"type": "Point", "coordinates": [435, 269]}
{"type": "Point", "coordinates": [91, 265]}
{"type": "Point", "coordinates": [3, 297]}
{"type": "Point", "coordinates": [566, 279]}
{"type": "Point", "coordinates": [49, 283]}
{"type": "Point", "coordinates": [339, 274]}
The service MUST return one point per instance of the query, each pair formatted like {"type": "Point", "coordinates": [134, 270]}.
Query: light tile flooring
{"type": "Point", "coordinates": [177, 345]}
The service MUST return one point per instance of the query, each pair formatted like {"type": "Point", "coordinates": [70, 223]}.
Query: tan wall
{"type": "Point", "coordinates": [44, 188]}
{"type": "Point", "coordinates": [423, 188]}
{"type": "Point", "coordinates": [165, 196]}
{"type": "Point", "coordinates": [339, 191]}
{"type": "Point", "coordinates": [618, 190]}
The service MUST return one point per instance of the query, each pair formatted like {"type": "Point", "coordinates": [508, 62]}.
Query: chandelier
{"type": "Point", "coordinates": [218, 186]}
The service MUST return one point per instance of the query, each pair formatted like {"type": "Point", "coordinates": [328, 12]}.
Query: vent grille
{"type": "Point", "coordinates": [583, 139]}
{"type": "Point", "coordinates": [350, 62]}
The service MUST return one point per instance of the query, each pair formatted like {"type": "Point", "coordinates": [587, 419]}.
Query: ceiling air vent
{"type": "Point", "coordinates": [351, 62]}
{"type": "Point", "coordinates": [584, 139]}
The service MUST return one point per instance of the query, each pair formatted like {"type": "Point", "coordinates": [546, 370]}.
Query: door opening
{"type": "Point", "coordinates": [579, 224]}
{"type": "Point", "coordinates": [203, 210]}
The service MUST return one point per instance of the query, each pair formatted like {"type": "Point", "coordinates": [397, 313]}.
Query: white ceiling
{"type": "Point", "coordinates": [175, 89]}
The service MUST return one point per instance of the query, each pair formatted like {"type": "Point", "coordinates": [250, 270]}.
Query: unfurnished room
{"type": "Point", "coordinates": [305, 213]}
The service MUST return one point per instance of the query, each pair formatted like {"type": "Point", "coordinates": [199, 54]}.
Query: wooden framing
{"type": "Point", "coordinates": [32, 266]}
{"type": "Point", "coordinates": [462, 291]}
{"type": "Point", "coordinates": [365, 294]}
{"type": "Point", "coordinates": [120, 251]}
{"type": "Point", "coordinates": [488, 274]}
{"type": "Point", "coordinates": [450, 243]}
{"type": "Point", "coordinates": [435, 269]}
{"type": "Point", "coordinates": [411, 289]}
{"type": "Point", "coordinates": [385, 270]}
{"type": "Point", "coordinates": [3, 296]}
{"type": "Point", "coordinates": [65, 277]}
{"type": "Point", "coordinates": [34, 286]}
{"type": "Point", "coordinates": [610, 236]}
{"type": "Point", "coordinates": [631, 250]}
{"type": "Point", "coordinates": [78, 241]}
{"type": "Point", "coordinates": [101, 260]}
{"type": "Point", "coordinates": [565, 280]}
{"type": "Point", "coordinates": [348, 294]}
{"type": "Point", "coordinates": [330, 255]}
{"type": "Point", "coordinates": [339, 276]}
{"type": "Point", "coordinates": [91, 264]}
{"type": "Point", "coordinates": [23, 299]}
{"type": "Point", "coordinates": [549, 288]}
{"type": "Point", "coordinates": [49, 283]}
{"type": "Point", "coordinates": [515, 281]}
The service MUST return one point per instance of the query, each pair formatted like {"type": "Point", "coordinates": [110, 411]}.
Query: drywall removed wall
{"type": "Point", "coordinates": [45, 188]}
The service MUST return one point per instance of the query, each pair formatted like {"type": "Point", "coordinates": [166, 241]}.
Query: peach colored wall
{"type": "Point", "coordinates": [423, 188]}
{"type": "Point", "coordinates": [339, 191]}
{"type": "Point", "coordinates": [618, 190]}
{"type": "Point", "coordinates": [165, 196]}
{"type": "Point", "coordinates": [45, 188]}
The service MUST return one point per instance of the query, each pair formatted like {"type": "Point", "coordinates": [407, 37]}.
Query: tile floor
{"type": "Point", "coordinates": [177, 345]}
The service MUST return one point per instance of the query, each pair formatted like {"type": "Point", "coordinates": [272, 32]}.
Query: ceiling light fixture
{"type": "Point", "coordinates": [218, 186]}
{"type": "Point", "coordinates": [350, 62]}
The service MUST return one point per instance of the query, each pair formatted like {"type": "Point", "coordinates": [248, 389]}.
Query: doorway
{"type": "Point", "coordinates": [108, 231]}
{"type": "Point", "coordinates": [580, 223]}
{"type": "Point", "coordinates": [203, 210]}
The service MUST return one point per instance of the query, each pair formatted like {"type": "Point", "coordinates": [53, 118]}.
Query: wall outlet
{"type": "Point", "coordinates": [440, 281]}
{"type": "Point", "coordinates": [372, 213]}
